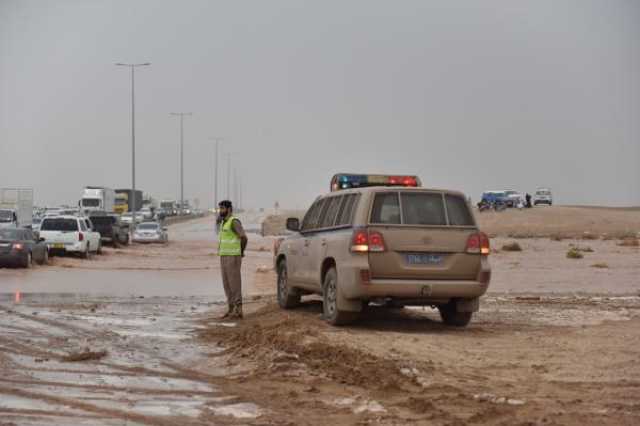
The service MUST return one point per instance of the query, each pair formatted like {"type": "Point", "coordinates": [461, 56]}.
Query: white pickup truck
{"type": "Point", "coordinates": [70, 234]}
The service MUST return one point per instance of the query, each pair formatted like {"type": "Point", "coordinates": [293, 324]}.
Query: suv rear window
{"type": "Point", "coordinates": [423, 209]}
{"type": "Point", "coordinates": [458, 211]}
{"type": "Point", "coordinates": [59, 224]}
{"type": "Point", "coordinates": [420, 208]}
{"type": "Point", "coordinates": [386, 209]}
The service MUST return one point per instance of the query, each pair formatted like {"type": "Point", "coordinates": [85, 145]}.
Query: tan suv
{"type": "Point", "coordinates": [390, 245]}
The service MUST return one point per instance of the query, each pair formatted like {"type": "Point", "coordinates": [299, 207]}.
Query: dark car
{"type": "Point", "coordinates": [22, 247]}
{"type": "Point", "coordinates": [112, 230]}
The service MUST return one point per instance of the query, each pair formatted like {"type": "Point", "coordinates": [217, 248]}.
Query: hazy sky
{"type": "Point", "coordinates": [469, 95]}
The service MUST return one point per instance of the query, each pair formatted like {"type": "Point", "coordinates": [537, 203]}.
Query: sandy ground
{"type": "Point", "coordinates": [557, 342]}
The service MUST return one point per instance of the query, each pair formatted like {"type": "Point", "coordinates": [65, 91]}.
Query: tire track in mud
{"type": "Point", "coordinates": [122, 387]}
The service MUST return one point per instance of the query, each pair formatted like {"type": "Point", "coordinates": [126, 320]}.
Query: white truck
{"type": "Point", "coordinates": [16, 208]}
{"type": "Point", "coordinates": [97, 198]}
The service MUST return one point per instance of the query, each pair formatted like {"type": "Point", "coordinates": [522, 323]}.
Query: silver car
{"type": "Point", "coordinates": [150, 232]}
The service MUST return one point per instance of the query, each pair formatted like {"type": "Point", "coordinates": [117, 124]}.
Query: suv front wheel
{"type": "Point", "coordinates": [330, 296]}
{"type": "Point", "coordinates": [288, 297]}
{"type": "Point", "coordinates": [451, 316]}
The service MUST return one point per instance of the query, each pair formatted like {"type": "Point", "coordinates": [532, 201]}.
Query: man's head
{"type": "Point", "coordinates": [225, 208]}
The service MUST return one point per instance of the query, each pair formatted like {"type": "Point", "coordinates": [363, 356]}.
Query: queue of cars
{"type": "Point", "coordinates": [385, 240]}
{"type": "Point", "coordinates": [67, 231]}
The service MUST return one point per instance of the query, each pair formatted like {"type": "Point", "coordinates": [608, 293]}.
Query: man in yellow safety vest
{"type": "Point", "coordinates": [232, 242]}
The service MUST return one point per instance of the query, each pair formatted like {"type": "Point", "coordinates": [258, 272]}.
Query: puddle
{"type": "Point", "coordinates": [243, 410]}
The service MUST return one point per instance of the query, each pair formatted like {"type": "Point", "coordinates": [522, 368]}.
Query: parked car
{"type": "Point", "coordinates": [150, 232]}
{"type": "Point", "coordinates": [386, 245]}
{"type": "Point", "coordinates": [494, 197]}
{"type": "Point", "coordinates": [128, 218]}
{"type": "Point", "coordinates": [22, 247]}
{"type": "Point", "coordinates": [543, 196]}
{"type": "Point", "coordinates": [112, 230]}
{"type": "Point", "coordinates": [70, 234]}
{"type": "Point", "coordinates": [146, 213]}
{"type": "Point", "coordinates": [513, 198]}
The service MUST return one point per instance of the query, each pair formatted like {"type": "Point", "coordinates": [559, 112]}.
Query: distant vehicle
{"type": "Point", "coordinates": [494, 197]}
{"type": "Point", "coordinates": [70, 234]}
{"type": "Point", "coordinates": [128, 218]}
{"type": "Point", "coordinates": [146, 213]}
{"type": "Point", "coordinates": [124, 200]}
{"type": "Point", "coordinates": [387, 242]}
{"type": "Point", "coordinates": [513, 198]}
{"type": "Point", "coordinates": [35, 227]}
{"type": "Point", "coordinates": [543, 196]}
{"type": "Point", "coordinates": [111, 229]}
{"type": "Point", "coordinates": [16, 208]}
{"type": "Point", "coordinates": [97, 198]}
{"type": "Point", "coordinates": [22, 247]}
{"type": "Point", "coordinates": [170, 207]}
{"type": "Point", "coordinates": [150, 232]}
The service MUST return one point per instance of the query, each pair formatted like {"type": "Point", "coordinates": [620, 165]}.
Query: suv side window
{"type": "Point", "coordinates": [346, 210]}
{"type": "Point", "coordinates": [329, 217]}
{"type": "Point", "coordinates": [83, 225]}
{"type": "Point", "coordinates": [310, 220]}
{"type": "Point", "coordinates": [386, 209]}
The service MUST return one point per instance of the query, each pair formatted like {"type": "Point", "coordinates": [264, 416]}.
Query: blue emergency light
{"type": "Point", "coordinates": [347, 181]}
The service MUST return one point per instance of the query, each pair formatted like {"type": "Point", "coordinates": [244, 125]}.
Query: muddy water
{"type": "Point", "coordinates": [140, 305]}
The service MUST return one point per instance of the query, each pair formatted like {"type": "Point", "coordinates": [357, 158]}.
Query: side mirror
{"type": "Point", "coordinates": [293, 224]}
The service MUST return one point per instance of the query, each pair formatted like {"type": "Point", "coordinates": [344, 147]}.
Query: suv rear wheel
{"type": "Point", "coordinates": [451, 316]}
{"type": "Point", "coordinates": [288, 297]}
{"type": "Point", "coordinates": [330, 296]}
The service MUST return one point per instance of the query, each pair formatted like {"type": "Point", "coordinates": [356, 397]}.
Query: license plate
{"type": "Point", "coordinates": [58, 246]}
{"type": "Point", "coordinates": [424, 259]}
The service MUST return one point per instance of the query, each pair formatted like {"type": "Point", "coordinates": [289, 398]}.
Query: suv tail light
{"type": "Point", "coordinates": [478, 243]}
{"type": "Point", "coordinates": [365, 241]}
{"type": "Point", "coordinates": [80, 236]}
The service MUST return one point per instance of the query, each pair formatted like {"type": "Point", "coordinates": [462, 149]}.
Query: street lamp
{"type": "Point", "coordinates": [215, 172]}
{"type": "Point", "coordinates": [181, 115]}
{"type": "Point", "coordinates": [133, 139]}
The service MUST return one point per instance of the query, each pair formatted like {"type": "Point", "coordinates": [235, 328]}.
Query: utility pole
{"type": "Point", "coordinates": [181, 115]}
{"type": "Point", "coordinates": [215, 172]}
{"type": "Point", "coordinates": [134, 207]}
{"type": "Point", "coordinates": [228, 176]}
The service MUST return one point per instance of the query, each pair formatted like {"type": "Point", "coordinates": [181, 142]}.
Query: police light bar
{"type": "Point", "coordinates": [347, 181]}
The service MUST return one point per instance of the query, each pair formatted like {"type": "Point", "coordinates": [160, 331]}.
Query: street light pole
{"type": "Point", "coordinates": [215, 172]}
{"type": "Point", "coordinates": [228, 176]}
{"type": "Point", "coordinates": [181, 115]}
{"type": "Point", "coordinates": [133, 140]}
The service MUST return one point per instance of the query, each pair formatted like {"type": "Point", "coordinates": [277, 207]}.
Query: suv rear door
{"type": "Point", "coordinates": [425, 235]}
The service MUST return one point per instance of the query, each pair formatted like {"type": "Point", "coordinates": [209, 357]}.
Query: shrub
{"type": "Point", "coordinates": [600, 265]}
{"type": "Point", "coordinates": [514, 246]}
{"type": "Point", "coordinates": [629, 242]}
{"type": "Point", "coordinates": [574, 253]}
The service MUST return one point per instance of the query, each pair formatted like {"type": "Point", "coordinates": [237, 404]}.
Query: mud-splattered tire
{"type": "Point", "coordinates": [330, 296]}
{"type": "Point", "coordinates": [45, 257]}
{"type": "Point", "coordinates": [288, 297]}
{"type": "Point", "coordinates": [87, 253]}
{"type": "Point", "coordinates": [28, 261]}
{"type": "Point", "coordinates": [450, 316]}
